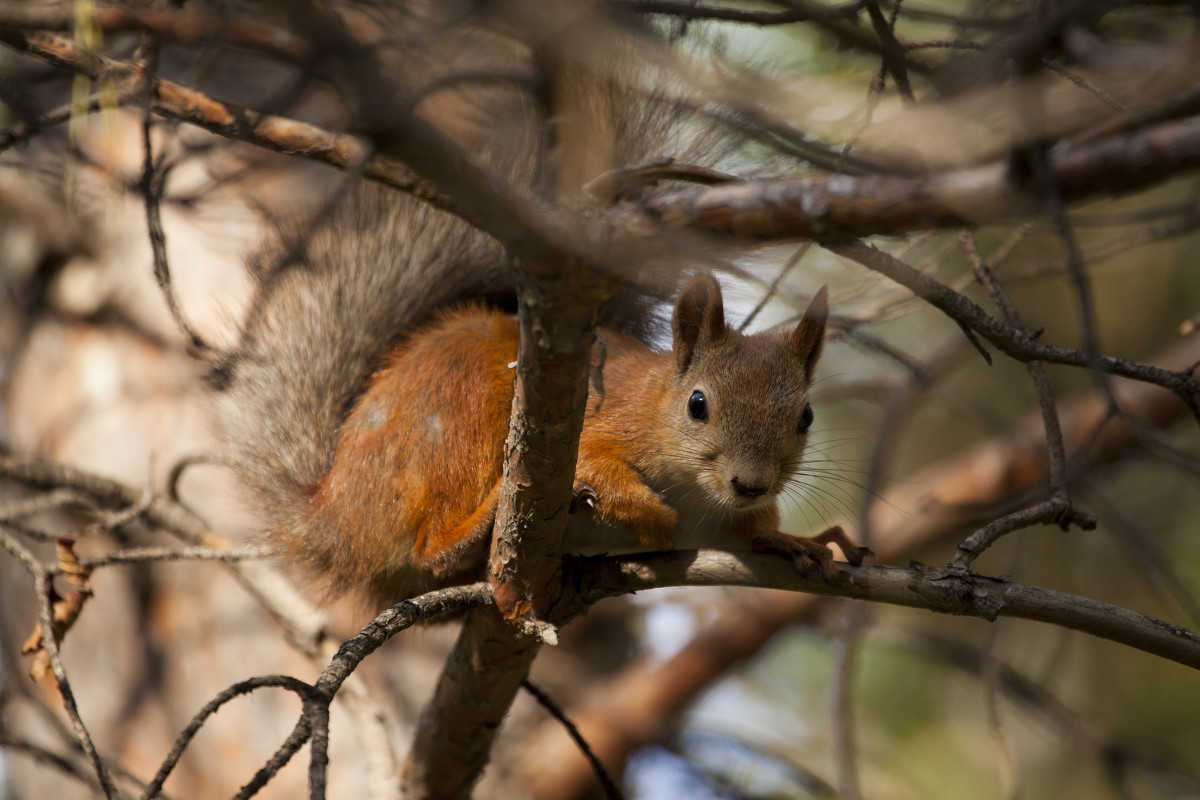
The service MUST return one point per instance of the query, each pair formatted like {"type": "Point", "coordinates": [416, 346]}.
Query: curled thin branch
{"type": "Point", "coordinates": [1046, 513]}
{"type": "Point", "coordinates": [189, 732]}
{"type": "Point", "coordinates": [314, 720]}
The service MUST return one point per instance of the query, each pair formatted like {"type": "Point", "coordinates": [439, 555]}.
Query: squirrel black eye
{"type": "Point", "coordinates": [698, 406]}
{"type": "Point", "coordinates": [806, 419]}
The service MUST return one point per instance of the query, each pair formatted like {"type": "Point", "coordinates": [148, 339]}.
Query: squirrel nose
{"type": "Point", "coordinates": [746, 489]}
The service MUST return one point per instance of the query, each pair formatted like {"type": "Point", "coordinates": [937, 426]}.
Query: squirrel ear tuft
{"type": "Point", "coordinates": [809, 335]}
{"type": "Point", "coordinates": [699, 319]}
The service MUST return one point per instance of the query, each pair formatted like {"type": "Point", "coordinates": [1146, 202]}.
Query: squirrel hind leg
{"type": "Point", "coordinates": [462, 548]}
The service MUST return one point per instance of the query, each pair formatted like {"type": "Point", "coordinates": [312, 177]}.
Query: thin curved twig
{"type": "Point", "coordinates": [607, 784]}
{"type": "Point", "coordinates": [151, 186]}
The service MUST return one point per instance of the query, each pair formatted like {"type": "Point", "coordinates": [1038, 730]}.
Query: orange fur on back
{"type": "Point", "coordinates": [436, 415]}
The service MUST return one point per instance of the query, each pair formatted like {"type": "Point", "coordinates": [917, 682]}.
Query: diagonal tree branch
{"type": "Point", "coordinates": [271, 132]}
{"type": "Point", "coordinates": [848, 205]}
{"type": "Point", "coordinates": [183, 27]}
{"type": "Point", "coordinates": [51, 632]}
{"type": "Point", "coordinates": [1058, 507]}
{"type": "Point", "coordinates": [1014, 342]}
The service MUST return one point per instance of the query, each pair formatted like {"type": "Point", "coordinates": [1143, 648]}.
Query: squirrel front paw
{"type": "Point", "coordinates": [807, 553]}
{"type": "Point", "coordinates": [633, 506]}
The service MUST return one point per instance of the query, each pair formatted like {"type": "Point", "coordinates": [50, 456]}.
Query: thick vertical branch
{"type": "Point", "coordinates": [492, 657]}
{"type": "Point", "coordinates": [547, 416]}
{"type": "Point", "coordinates": [456, 729]}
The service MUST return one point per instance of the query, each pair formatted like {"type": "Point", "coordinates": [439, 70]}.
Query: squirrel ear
{"type": "Point", "coordinates": [809, 335]}
{"type": "Point", "coordinates": [699, 319]}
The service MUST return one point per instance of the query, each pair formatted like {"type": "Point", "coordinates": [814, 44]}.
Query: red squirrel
{"type": "Point", "coordinates": [684, 448]}
{"type": "Point", "coordinates": [370, 393]}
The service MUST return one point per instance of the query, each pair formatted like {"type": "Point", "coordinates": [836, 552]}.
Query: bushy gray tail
{"type": "Point", "coordinates": [376, 266]}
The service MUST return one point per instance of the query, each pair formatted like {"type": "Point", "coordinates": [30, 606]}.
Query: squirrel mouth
{"type": "Point", "coordinates": [743, 503]}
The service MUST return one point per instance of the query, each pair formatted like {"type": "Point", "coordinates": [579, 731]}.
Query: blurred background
{"type": "Point", "coordinates": [702, 693]}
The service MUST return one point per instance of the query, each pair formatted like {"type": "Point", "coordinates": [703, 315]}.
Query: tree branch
{"type": "Point", "coordinates": [271, 132]}
{"type": "Point", "coordinates": [182, 27]}
{"type": "Point", "coordinates": [840, 206]}
{"type": "Point", "coordinates": [1016, 343]}
{"type": "Point", "coordinates": [557, 302]}
{"type": "Point", "coordinates": [841, 26]}
{"type": "Point", "coordinates": [938, 589]}
{"type": "Point", "coordinates": [48, 643]}
{"type": "Point", "coordinates": [300, 622]}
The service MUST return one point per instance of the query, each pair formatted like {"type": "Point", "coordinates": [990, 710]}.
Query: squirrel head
{"type": "Point", "coordinates": [740, 403]}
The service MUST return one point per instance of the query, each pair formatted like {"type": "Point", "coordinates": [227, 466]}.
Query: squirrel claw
{"type": "Point", "coordinates": [859, 555]}
{"type": "Point", "coordinates": [583, 498]}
